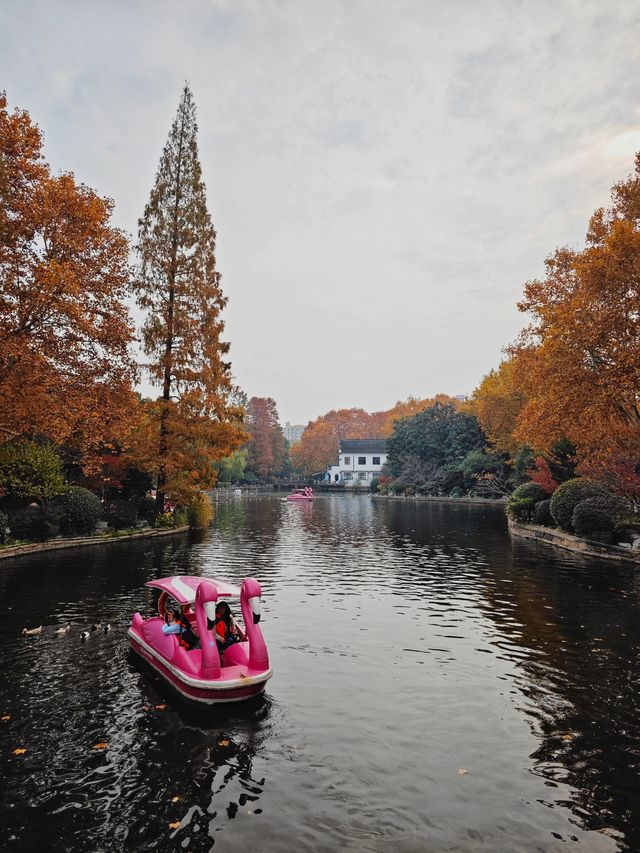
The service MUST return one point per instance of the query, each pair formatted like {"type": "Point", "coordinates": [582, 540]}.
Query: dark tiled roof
{"type": "Point", "coordinates": [363, 445]}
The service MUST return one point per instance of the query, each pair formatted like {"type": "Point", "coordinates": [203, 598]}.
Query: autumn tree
{"type": "Point", "coordinates": [318, 446]}
{"type": "Point", "coordinates": [266, 446]}
{"type": "Point", "coordinates": [195, 421]}
{"type": "Point", "coordinates": [580, 354]}
{"type": "Point", "coordinates": [498, 401]}
{"type": "Point", "coordinates": [409, 407]}
{"type": "Point", "coordinates": [65, 368]}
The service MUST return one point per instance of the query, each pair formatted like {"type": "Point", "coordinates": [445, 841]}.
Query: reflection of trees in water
{"type": "Point", "coordinates": [209, 766]}
{"type": "Point", "coordinates": [581, 618]}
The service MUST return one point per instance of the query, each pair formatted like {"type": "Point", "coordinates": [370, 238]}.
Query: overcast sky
{"type": "Point", "coordinates": [383, 176]}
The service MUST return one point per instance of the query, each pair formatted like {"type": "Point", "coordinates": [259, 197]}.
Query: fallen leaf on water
{"type": "Point", "coordinates": [567, 737]}
{"type": "Point", "coordinates": [101, 745]}
{"type": "Point", "coordinates": [174, 825]}
{"type": "Point", "coordinates": [463, 772]}
{"type": "Point", "coordinates": [19, 751]}
{"type": "Point", "coordinates": [5, 718]}
{"type": "Point", "coordinates": [223, 742]}
{"type": "Point", "coordinates": [160, 707]}
{"type": "Point", "coordinates": [175, 799]}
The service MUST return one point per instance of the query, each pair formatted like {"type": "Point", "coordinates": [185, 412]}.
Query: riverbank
{"type": "Point", "coordinates": [443, 499]}
{"type": "Point", "coordinates": [78, 541]}
{"type": "Point", "coordinates": [568, 542]}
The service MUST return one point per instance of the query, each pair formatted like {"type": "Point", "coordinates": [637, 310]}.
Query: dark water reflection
{"type": "Point", "coordinates": [409, 642]}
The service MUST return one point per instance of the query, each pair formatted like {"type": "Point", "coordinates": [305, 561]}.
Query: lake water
{"type": "Point", "coordinates": [436, 688]}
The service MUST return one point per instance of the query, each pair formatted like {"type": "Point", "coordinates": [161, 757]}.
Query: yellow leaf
{"type": "Point", "coordinates": [19, 751]}
{"type": "Point", "coordinates": [174, 825]}
{"type": "Point", "coordinates": [160, 707]}
{"type": "Point", "coordinates": [5, 718]}
{"type": "Point", "coordinates": [101, 745]}
{"type": "Point", "coordinates": [223, 742]}
{"type": "Point", "coordinates": [463, 772]}
{"type": "Point", "coordinates": [567, 737]}
{"type": "Point", "coordinates": [175, 799]}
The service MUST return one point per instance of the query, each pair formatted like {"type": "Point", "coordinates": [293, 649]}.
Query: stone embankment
{"type": "Point", "coordinates": [57, 544]}
{"type": "Point", "coordinates": [560, 539]}
{"type": "Point", "coordinates": [444, 500]}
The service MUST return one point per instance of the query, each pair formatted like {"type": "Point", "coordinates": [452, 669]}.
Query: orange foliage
{"type": "Point", "coordinates": [318, 447]}
{"type": "Point", "coordinates": [581, 353]}
{"type": "Point", "coordinates": [65, 369]}
{"type": "Point", "coordinates": [410, 407]}
{"type": "Point", "coordinates": [498, 401]}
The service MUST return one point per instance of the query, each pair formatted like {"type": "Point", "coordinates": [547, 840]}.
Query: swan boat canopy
{"type": "Point", "coordinates": [202, 674]}
{"type": "Point", "coordinates": [305, 494]}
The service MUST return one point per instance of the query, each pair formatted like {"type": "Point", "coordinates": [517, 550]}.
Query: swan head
{"type": "Point", "coordinates": [252, 592]}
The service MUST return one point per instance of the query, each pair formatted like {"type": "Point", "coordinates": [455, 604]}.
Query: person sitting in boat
{"type": "Point", "coordinates": [177, 623]}
{"type": "Point", "coordinates": [227, 630]}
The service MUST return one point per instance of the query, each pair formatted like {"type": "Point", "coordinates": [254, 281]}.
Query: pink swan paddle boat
{"type": "Point", "coordinates": [305, 494]}
{"type": "Point", "coordinates": [199, 674]}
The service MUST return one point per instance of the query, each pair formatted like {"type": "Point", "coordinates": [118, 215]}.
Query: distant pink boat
{"type": "Point", "coordinates": [199, 674]}
{"type": "Point", "coordinates": [305, 494]}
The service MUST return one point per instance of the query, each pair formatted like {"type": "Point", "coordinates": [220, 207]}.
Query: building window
{"type": "Point", "coordinates": [362, 475]}
{"type": "Point", "coordinates": [362, 460]}
{"type": "Point", "coordinates": [375, 460]}
{"type": "Point", "coordinates": [337, 477]}
{"type": "Point", "coordinates": [347, 460]}
{"type": "Point", "coordinates": [347, 475]}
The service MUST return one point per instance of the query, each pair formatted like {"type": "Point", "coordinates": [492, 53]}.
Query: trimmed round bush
{"type": "Point", "coordinates": [542, 513]}
{"type": "Point", "coordinates": [81, 511]}
{"type": "Point", "coordinates": [568, 495]}
{"type": "Point", "coordinates": [36, 523]}
{"type": "Point", "coordinates": [596, 517]}
{"type": "Point", "coordinates": [523, 500]}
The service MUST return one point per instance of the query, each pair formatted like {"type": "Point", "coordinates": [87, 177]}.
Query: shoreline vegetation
{"type": "Point", "coordinates": [23, 548]}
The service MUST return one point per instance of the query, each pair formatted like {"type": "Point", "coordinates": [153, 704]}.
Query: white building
{"type": "Point", "coordinates": [359, 461]}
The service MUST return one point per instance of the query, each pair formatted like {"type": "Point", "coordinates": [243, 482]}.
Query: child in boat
{"type": "Point", "coordinates": [177, 623]}
{"type": "Point", "coordinates": [227, 630]}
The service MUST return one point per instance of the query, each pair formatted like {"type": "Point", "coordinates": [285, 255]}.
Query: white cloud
{"type": "Point", "coordinates": [383, 176]}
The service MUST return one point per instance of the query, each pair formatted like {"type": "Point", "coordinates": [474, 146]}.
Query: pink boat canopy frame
{"type": "Point", "coordinates": [183, 587]}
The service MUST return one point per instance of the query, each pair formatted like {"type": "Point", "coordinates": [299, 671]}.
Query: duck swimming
{"type": "Point", "coordinates": [84, 635]}
{"type": "Point", "coordinates": [64, 630]}
{"type": "Point", "coordinates": [106, 627]}
{"type": "Point", "coordinates": [96, 627]}
{"type": "Point", "coordinates": [28, 632]}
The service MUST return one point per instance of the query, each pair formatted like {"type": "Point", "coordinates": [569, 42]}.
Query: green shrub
{"type": "Point", "coordinates": [81, 511]}
{"type": "Point", "coordinates": [30, 470]}
{"type": "Point", "coordinates": [36, 523]}
{"type": "Point", "coordinates": [180, 517]}
{"type": "Point", "coordinates": [121, 514]}
{"type": "Point", "coordinates": [164, 519]}
{"type": "Point", "coordinates": [568, 495]}
{"type": "Point", "coordinates": [146, 509]}
{"type": "Point", "coordinates": [4, 528]}
{"type": "Point", "coordinates": [595, 517]}
{"type": "Point", "coordinates": [542, 513]}
{"type": "Point", "coordinates": [456, 492]}
{"type": "Point", "coordinates": [200, 511]}
{"type": "Point", "coordinates": [523, 500]}
{"type": "Point", "coordinates": [375, 482]}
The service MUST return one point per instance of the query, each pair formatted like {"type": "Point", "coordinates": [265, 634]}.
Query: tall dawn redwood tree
{"type": "Point", "coordinates": [195, 420]}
